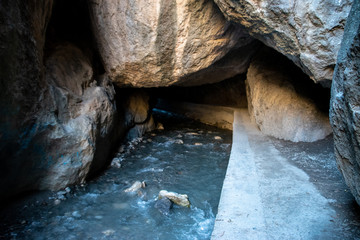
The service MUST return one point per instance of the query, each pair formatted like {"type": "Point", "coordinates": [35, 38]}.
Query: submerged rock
{"type": "Point", "coordinates": [164, 205]}
{"type": "Point", "coordinates": [179, 199]}
{"type": "Point", "coordinates": [136, 186]}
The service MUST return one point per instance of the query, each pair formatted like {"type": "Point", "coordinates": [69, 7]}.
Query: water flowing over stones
{"type": "Point", "coordinates": [344, 115]}
{"type": "Point", "coordinates": [304, 31]}
{"type": "Point", "coordinates": [161, 43]}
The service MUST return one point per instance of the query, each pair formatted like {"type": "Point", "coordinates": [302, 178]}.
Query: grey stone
{"type": "Point", "coordinates": [307, 32]}
{"type": "Point", "coordinates": [345, 100]}
{"type": "Point", "coordinates": [164, 205]}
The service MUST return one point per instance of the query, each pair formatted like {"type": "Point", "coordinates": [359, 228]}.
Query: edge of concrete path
{"type": "Point", "coordinates": [240, 213]}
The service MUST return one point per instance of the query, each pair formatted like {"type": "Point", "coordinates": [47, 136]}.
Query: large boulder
{"type": "Point", "coordinates": [80, 116]}
{"type": "Point", "coordinates": [307, 32]}
{"type": "Point", "coordinates": [345, 102]}
{"type": "Point", "coordinates": [279, 108]}
{"type": "Point", "coordinates": [161, 43]}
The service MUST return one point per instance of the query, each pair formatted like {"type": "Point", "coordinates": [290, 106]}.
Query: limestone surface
{"type": "Point", "coordinates": [307, 32]}
{"type": "Point", "coordinates": [161, 43]}
{"type": "Point", "coordinates": [278, 109]}
{"type": "Point", "coordinates": [345, 100]}
{"type": "Point", "coordinates": [179, 199]}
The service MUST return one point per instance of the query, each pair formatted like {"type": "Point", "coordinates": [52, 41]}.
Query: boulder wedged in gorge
{"type": "Point", "coordinates": [81, 111]}
{"type": "Point", "coordinates": [277, 107]}
{"type": "Point", "coordinates": [307, 32]}
{"type": "Point", "coordinates": [345, 102]}
{"type": "Point", "coordinates": [162, 43]}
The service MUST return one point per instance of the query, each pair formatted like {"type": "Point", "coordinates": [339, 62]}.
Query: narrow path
{"type": "Point", "coordinates": [264, 196]}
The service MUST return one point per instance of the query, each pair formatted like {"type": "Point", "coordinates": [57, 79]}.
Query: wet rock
{"type": "Point", "coordinates": [179, 199]}
{"type": "Point", "coordinates": [164, 205]}
{"type": "Point", "coordinates": [179, 141]}
{"type": "Point", "coordinates": [116, 162]}
{"type": "Point", "coordinates": [345, 101]}
{"type": "Point", "coordinates": [198, 144]}
{"type": "Point", "coordinates": [277, 107]}
{"type": "Point", "coordinates": [108, 232]}
{"type": "Point", "coordinates": [57, 201]}
{"type": "Point", "coordinates": [302, 30]}
{"type": "Point", "coordinates": [161, 43]}
{"type": "Point", "coordinates": [136, 186]}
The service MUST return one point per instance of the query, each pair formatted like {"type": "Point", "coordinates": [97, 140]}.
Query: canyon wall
{"type": "Point", "coordinates": [345, 103]}
{"type": "Point", "coordinates": [307, 32]}
{"type": "Point", "coordinates": [66, 69]}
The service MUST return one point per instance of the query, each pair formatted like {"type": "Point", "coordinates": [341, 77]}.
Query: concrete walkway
{"type": "Point", "coordinates": [264, 196]}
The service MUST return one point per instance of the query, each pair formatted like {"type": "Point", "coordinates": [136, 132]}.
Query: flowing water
{"type": "Point", "coordinates": [187, 157]}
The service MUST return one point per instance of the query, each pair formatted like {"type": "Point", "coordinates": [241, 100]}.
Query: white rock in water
{"type": "Point", "coordinates": [198, 144]}
{"type": "Point", "coordinates": [179, 199]}
{"type": "Point", "coordinates": [136, 186]}
{"type": "Point", "coordinates": [217, 138]}
{"type": "Point", "coordinates": [179, 141]}
{"type": "Point", "coordinates": [108, 232]}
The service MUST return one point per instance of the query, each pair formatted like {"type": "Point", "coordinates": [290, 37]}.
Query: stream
{"type": "Point", "coordinates": [186, 157]}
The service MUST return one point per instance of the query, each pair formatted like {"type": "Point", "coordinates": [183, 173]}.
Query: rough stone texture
{"type": "Point", "coordinates": [22, 37]}
{"type": "Point", "coordinates": [307, 32]}
{"type": "Point", "coordinates": [345, 100]}
{"type": "Point", "coordinates": [179, 199]}
{"type": "Point", "coordinates": [161, 43]}
{"type": "Point", "coordinates": [277, 108]}
{"type": "Point", "coordinates": [80, 119]}
{"type": "Point", "coordinates": [138, 116]}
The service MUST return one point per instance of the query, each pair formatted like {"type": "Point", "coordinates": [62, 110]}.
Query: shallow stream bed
{"type": "Point", "coordinates": [187, 157]}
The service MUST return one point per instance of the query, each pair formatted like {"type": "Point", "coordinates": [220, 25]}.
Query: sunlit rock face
{"type": "Point", "coordinates": [345, 101]}
{"type": "Point", "coordinates": [80, 114]}
{"type": "Point", "coordinates": [173, 42]}
{"type": "Point", "coordinates": [279, 108]}
{"type": "Point", "coordinates": [307, 32]}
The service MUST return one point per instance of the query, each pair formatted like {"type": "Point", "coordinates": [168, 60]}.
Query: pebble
{"type": "Point", "coordinates": [198, 144]}
{"type": "Point", "coordinates": [68, 190]}
{"type": "Point", "coordinates": [57, 202]}
{"type": "Point", "coordinates": [218, 138]}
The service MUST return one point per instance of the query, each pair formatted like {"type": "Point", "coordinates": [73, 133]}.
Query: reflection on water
{"type": "Point", "coordinates": [186, 157]}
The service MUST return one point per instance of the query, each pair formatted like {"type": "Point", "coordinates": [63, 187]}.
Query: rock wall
{"type": "Point", "coordinates": [22, 37]}
{"type": "Point", "coordinates": [168, 42]}
{"type": "Point", "coordinates": [277, 107]}
{"type": "Point", "coordinates": [345, 101]}
{"type": "Point", "coordinates": [61, 120]}
{"type": "Point", "coordinates": [307, 32]}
